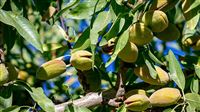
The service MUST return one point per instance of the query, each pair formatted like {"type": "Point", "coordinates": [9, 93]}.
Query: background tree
{"type": "Point", "coordinates": [99, 55]}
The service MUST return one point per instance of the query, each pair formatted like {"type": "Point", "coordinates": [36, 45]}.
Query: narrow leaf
{"type": "Point", "coordinates": [114, 30]}
{"type": "Point", "coordinates": [151, 68]}
{"type": "Point", "coordinates": [84, 9]}
{"type": "Point", "coordinates": [192, 23]}
{"type": "Point", "coordinates": [194, 86]}
{"type": "Point", "coordinates": [23, 26]}
{"type": "Point", "coordinates": [38, 96]}
{"type": "Point", "coordinates": [66, 8]}
{"type": "Point", "coordinates": [154, 58]}
{"type": "Point", "coordinates": [176, 73]}
{"type": "Point", "coordinates": [100, 22]}
{"type": "Point", "coordinates": [2, 2]}
{"type": "Point", "coordinates": [43, 101]}
{"type": "Point", "coordinates": [12, 109]}
{"type": "Point", "coordinates": [83, 41]}
{"type": "Point", "coordinates": [122, 41]}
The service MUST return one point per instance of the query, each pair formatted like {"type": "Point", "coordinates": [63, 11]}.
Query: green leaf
{"type": "Point", "coordinates": [22, 84]}
{"type": "Point", "coordinates": [151, 68]}
{"type": "Point", "coordinates": [121, 43]}
{"type": "Point", "coordinates": [194, 86]}
{"type": "Point", "coordinates": [16, 7]}
{"type": "Point", "coordinates": [154, 58]}
{"type": "Point", "coordinates": [190, 109]}
{"type": "Point", "coordinates": [84, 9]}
{"type": "Point", "coordinates": [2, 2]}
{"type": "Point", "coordinates": [73, 108]}
{"type": "Point", "coordinates": [6, 97]}
{"type": "Point", "coordinates": [12, 109]}
{"type": "Point", "coordinates": [114, 30]}
{"type": "Point", "coordinates": [83, 41]}
{"type": "Point", "coordinates": [176, 73]}
{"type": "Point", "coordinates": [38, 96]}
{"type": "Point", "coordinates": [193, 100]}
{"type": "Point", "coordinates": [23, 26]}
{"type": "Point", "coordinates": [122, 109]}
{"type": "Point", "coordinates": [197, 70]}
{"type": "Point", "coordinates": [178, 14]}
{"type": "Point", "coordinates": [51, 46]}
{"type": "Point", "coordinates": [100, 22]}
{"type": "Point", "coordinates": [191, 8]}
{"type": "Point", "coordinates": [66, 8]}
{"type": "Point", "coordinates": [192, 23]}
{"type": "Point", "coordinates": [42, 100]}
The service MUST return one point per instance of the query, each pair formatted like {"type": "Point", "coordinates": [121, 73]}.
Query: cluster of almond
{"type": "Point", "coordinates": [138, 100]}
{"type": "Point", "coordinates": [153, 23]}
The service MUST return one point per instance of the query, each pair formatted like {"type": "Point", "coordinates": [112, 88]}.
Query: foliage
{"type": "Point", "coordinates": [35, 33]}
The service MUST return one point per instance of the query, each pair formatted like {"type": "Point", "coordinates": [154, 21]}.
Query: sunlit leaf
{"type": "Point", "coordinates": [190, 109]}
{"type": "Point", "coordinates": [2, 2]}
{"type": "Point", "coordinates": [154, 58]}
{"type": "Point", "coordinates": [193, 99]}
{"type": "Point", "coordinates": [100, 22]}
{"type": "Point", "coordinates": [66, 8]}
{"type": "Point", "coordinates": [83, 41]}
{"type": "Point", "coordinates": [192, 23]}
{"type": "Point", "coordinates": [176, 73]}
{"type": "Point", "coordinates": [190, 8]}
{"type": "Point", "coordinates": [43, 101]}
{"type": "Point", "coordinates": [151, 68]}
{"type": "Point", "coordinates": [38, 96]}
{"type": "Point", "coordinates": [23, 26]}
{"type": "Point", "coordinates": [12, 109]}
{"type": "Point", "coordinates": [122, 41]}
{"type": "Point", "coordinates": [84, 9]}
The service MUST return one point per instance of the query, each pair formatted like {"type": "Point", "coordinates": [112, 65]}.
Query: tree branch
{"type": "Point", "coordinates": [92, 99]}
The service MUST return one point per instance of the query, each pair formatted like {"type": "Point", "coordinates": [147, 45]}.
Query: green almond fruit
{"type": "Point", "coordinates": [165, 97]}
{"type": "Point", "coordinates": [51, 69]}
{"type": "Point", "coordinates": [137, 102]}
{"type": "Point", "coordinates": [81, 60]}
{"type": "Point", "coordinates": [143, 73]}
{"type": "Point", "coordinates": [132, 51]}
{"type": "Point", "coordinates": [169, 34]}
{"type": "Point", "coordinates": [140, 34]}
{"type": "Point", "coordinates": [156, 20]}
{"type": "Point", "coordinates": [4, 75]}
